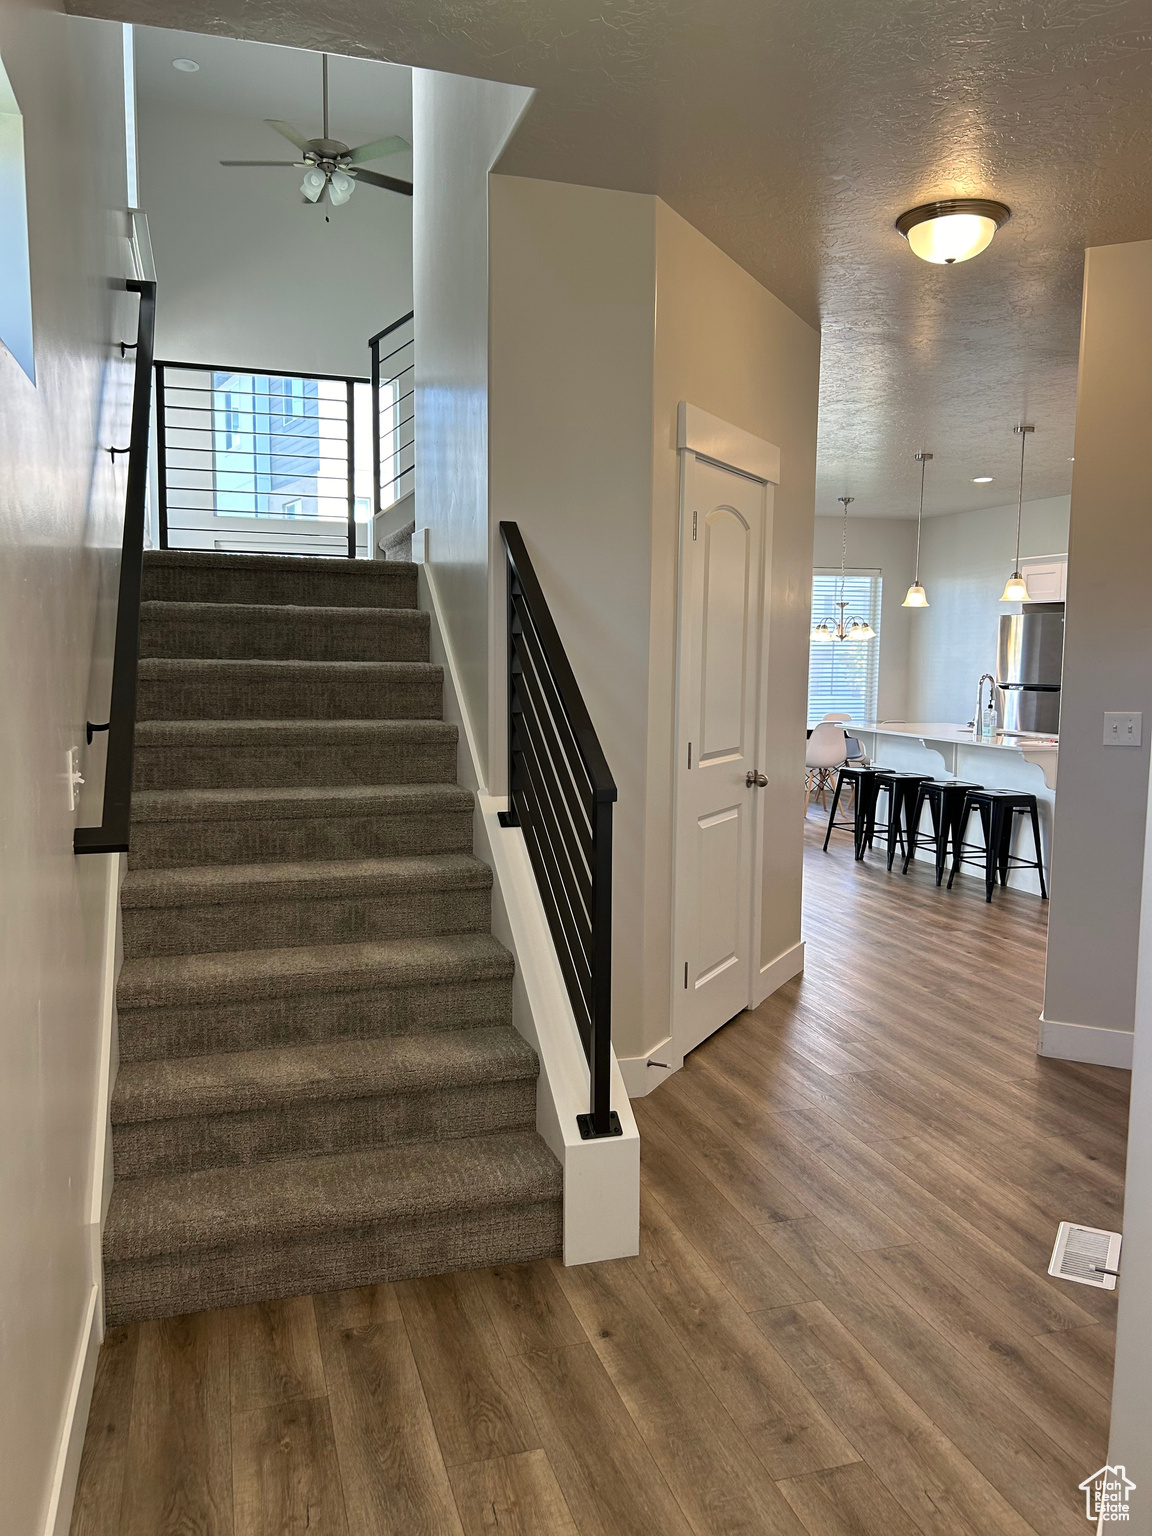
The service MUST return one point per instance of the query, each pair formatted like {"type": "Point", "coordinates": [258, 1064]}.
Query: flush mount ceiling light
{"type": "Point", "coordinates": [982, 480]}
{"type": "Point", "coordinates": [953, 230]}
{"type": "Point", "coordinates": [841, 628]}
{"type": "Point", "coordinates": [185, 66]}
{"type": "Point", "coordinates": [1016, 588]}
{"type": "Point", "coordinates": [917, 597]}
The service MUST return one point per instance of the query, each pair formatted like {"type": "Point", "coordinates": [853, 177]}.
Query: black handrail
{"type": "Point", "coordinates": [111, 836]}
{"type": "Point", "coordinates": [377, 361]}
{"type": "Point", "coordinates": [560, 793]}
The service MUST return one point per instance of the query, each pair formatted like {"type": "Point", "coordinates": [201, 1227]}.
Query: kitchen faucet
{"type": "Point", "coordinates": [985, 677]}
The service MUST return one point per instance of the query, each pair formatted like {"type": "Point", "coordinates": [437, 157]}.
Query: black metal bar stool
{"type": "Point", "coordinates": [862, 781]}
{"type": "Point", "coordinates": [998, 809]}
{"type": "Point", "coordinates": [902, 788]}
{"type": "Point", "coordinates": [945, 799]}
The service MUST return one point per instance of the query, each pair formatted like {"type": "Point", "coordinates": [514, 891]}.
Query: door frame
{"type": "Point", "coordinates": [701, 436]}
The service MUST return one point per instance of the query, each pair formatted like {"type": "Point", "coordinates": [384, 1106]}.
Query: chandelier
{"type": "Point", "coordinates": [844, 626]}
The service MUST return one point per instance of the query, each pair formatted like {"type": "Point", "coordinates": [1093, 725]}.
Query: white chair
{"type": "Point", "coordinates": [827, 747]}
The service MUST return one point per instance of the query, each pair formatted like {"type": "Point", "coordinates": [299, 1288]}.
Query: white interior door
{"type": "Point", "coordinates": [722, 552]}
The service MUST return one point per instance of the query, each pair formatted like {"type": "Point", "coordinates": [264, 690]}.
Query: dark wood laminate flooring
{"type": "Point", "coordinates": [840, 1322]}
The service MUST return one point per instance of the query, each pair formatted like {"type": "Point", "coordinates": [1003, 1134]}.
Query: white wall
{"type": "Point", "coordinates": [1098, 838]}
{"type": "Point", "coordinates": [965, 559]}
{"type": "Point", "coordinates": [459, 127]}
{"type": "Point", "coordinates": [1130, 1439]}
{"type": "Point", "coordinates": [887, 545]}
{"type": "Point", "coordinates": [607, 310]}
{"type": "Point", "coordinates": [573, 299]}
{"type": "Point", "coordinates": [250, 276]}
{"type": "Point", "coordinates": [60, 510]}
{"type": "Point", "coordinates": [726, 344]}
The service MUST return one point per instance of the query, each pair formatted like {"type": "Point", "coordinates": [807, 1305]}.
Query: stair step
{"type": "Point", "coordinates": [225, 907]}
{"type": "Point", "coordinates": [195, 1005]}
{"type": "Point", "coordinates": [201, 576]}
{"type": "Point", "coordinates": [173, 828]}
{"type": "Point", "coordinates": [191, 689]}
{"type": "Point", "coordinates": [269, 632]}
{"type": "Point", "coordinates": [216, 754]}
{"type": "Point", "coordinates": [223, 1237]}
{"type": "Point", "coordinates": [245, 1107]}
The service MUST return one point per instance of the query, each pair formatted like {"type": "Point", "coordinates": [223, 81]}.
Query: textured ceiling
{"type": "Point", "coordinates": [792, 133]}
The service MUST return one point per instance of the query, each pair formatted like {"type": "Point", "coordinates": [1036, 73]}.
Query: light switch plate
{"type": "Point", "coordinates": [1122, 730]}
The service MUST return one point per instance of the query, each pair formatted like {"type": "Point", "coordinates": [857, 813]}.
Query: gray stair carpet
{"type": "Point", "coordinates": [319, 1084]}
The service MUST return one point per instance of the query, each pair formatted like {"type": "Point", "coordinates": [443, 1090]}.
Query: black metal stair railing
{"type": "Point", "coordinates": [111, 836]}
{"type": "Point", "coordinates": [392, 367]}
{"type": "Point", "coordinates": [561, 793]}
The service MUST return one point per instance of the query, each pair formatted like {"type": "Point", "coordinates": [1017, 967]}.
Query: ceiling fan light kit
{"type": "Point", "coordinates": [331, 168]}
{"type": "Point", "coordinates": [955, 229]}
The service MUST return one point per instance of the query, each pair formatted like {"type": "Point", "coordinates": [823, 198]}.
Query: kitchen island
{"type": "Point", "coordinates": [1024, 762]}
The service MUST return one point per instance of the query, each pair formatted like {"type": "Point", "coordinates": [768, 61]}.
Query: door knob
{"type": "Point", "coordinates": [755, 780]}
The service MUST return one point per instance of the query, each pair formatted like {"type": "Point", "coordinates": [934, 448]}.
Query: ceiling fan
{"type": "Point", "coordinates": [332, 169]}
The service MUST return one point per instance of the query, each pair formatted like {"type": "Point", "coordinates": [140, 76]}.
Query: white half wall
{"type": "Point", "coordinates": [61, 517]}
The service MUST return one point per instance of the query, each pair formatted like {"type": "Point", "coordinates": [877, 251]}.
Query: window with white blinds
{"type": "Point", "coordinates": [842, 676]}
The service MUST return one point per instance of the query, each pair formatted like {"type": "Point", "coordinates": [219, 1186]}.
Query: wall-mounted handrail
{"type": "Point", "coordinates": [560, 793]}
{"type": "Point", "coordinates": [111, 836]}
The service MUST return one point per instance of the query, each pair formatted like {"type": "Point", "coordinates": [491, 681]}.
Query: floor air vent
{"type": "Point", "coordinates": [1087, 1255]}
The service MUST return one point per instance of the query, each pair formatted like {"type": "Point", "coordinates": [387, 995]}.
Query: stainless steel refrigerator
{"type": "Point", "coordinates": [1028, 667]}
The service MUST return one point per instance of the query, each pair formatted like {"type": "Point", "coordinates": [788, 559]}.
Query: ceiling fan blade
{"type": "Point", "coordinates": [380, 149]}
{"type": "Point", "coordinates": [374, 179]}
{"type": "Point", "coordinates": [262, 162]}
{"type": "Point", "coordinates": [286, 130]}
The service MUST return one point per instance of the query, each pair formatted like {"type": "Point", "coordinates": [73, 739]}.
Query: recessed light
{"type": "Point", "coordinates": [982, 480]}
{"type": "Point", "coordinates": [953, 230]}
{"type": "Point", "coordinates": [185, 66]}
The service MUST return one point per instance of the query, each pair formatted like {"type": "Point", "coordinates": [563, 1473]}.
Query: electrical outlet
{"type": "Point", "coordinates": [75, 777]}
{"type": "Point", "coordinates": [1122, 730]}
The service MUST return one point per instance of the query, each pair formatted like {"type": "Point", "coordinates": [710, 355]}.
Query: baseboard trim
{"type": "Point", "coordinates": [1085, 1042]}
{"type": "Point", "coordinates": [62, 1492]}
{"type": "Point", "coordinates": [773, 975]}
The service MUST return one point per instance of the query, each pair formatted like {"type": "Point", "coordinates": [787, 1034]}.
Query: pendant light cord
{"type": "Point", "coordinates": [1023, 431]}
{"type": "Point", "coordinates": [920, 518]}
{"type": "Point", "coordinates": [844, 500]}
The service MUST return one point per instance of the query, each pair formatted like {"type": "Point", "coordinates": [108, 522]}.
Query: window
{"type": "Point", "coordinates": [231, 421]}
{"type": "Point", "coordinates": [842, 676]}
{"type": "Point", "coordinates": [15, 276]}
{"type": "Point", "coordinates": [292, 398]}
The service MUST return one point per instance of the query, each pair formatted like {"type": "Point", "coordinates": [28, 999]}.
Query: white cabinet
{"type": "Point", "coordinates": [1047, 578]}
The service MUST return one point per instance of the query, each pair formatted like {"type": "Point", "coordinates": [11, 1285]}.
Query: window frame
{"type": "Point", "coordinates": [827, 701]}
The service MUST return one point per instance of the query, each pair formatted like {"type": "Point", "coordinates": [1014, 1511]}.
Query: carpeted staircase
{"type": "Point", "coordinates": [319, 1084]}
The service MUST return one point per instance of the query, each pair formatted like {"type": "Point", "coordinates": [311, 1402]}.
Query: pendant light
{"type": "Point", "coordinates": [917, 597]}
{"type": "Point", "coordinates": [1016, 588]}
{"type": "Point", "coordinates": [831, 629]}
